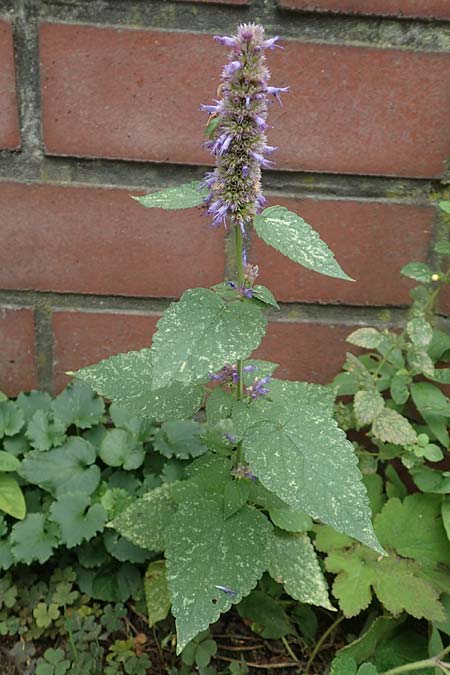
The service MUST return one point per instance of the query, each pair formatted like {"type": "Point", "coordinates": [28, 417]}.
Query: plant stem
{"type": "Point", "coordinates": [433, 662]}
{"type": "Point", "coordinates": [320, 642]}
{"type": "Point", "coordinates": [289, 649]}
{"type": "Point", "coordinates": [239, 250]}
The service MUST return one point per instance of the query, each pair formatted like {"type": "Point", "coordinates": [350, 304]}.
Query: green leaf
{"type": "Point", "coordinates": [267, 616]}
{"type": "Point", "coordinates": [77, 519]}
{"type": "Point", "coordinates": [78, 405]}
{"type": "Point", "coordinates": [343, 664]}
{"type": "Point", "coordinates": [296, 449]}
{"type": "Point", "coordinates": [442, 247]}
{"type": "Point", "coordinates": [205, 552]}
{"type": "Point", "coordinates": [145, 522]}
{"type": "Point", "coordinates": [380, 630]}
{"type": "Point", "coordinates": [118, 448]}
{"type": "Point", "coordinates": [8, 462]}
{"type": "Point", "coordinates": [200, 333]}
{"type": "Point", "coordinates": [181, 197]}
{"type": "Point", "coordinates": [70, 468]}
{"type": "Point", "coordinates": [420, 331]}
{"type": "Point", "coordinates": [11, 418]}
{"type": "Point", "coordinates": [440, 344]}
{"type": "Point", "coordinates": [32, 401]}
{"type": "Point", "coordinates": [418, 271]}
{"type": "Point", "coordinates": [369, 338]}
{"type": "Point", "coordinates": [31, 541]}
{"type": "Point", "coordinates": [156, 592]}
{"type": "Point", "coordinates": [293, 237]}
{"type": "Point", "coordinates": [122, 549]}
{"type": "Point", "coordinates": [45, 430]}
{"type": "Point", "coordinates": [294, 563]}
{"type": "Point", "coordinates": [127, 380]}
{"type": "Point", "coordinates": [367, 406]}
{"type": "Point", "coordinates": [400, 387]}
{"type": "Point", "coordinates": [12, 500]}
{"type": "Point", "coordinates": [391, 427]}
{"type": "Point", "coordinates": [264, 295]}
{"type": "Point", "coordinates": [181, 439]}
{"type": "Point", "coordinates": [445, 512]}
{"type": "Point", "coordinates": [419, 360]}
{"type": "Point", "coordinates": [110, 583]}
{"type": "Point", "coordinates": [429, 400]}
{"type": "Point", "coordinates": [444, 205]}
{"type": "Point", "coordinates": [219, 405]}
{"type": "Point", "coordinates": [236, 494]}
{"type": "Point", "coordinates": [289, 519]}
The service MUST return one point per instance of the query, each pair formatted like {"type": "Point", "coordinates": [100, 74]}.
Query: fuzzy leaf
{"type": "Point", "coordinates": [264, 295]}
{"type": "Point", "coordinates": [418, 271]}
{"type": "Point", "coordinates": [70, 468]}
{"type": "Point", "coordinates": [76, 520]}
{"type": "Point", "coordinates": [369, 338]}
{"type": "Point", "coordinates": [420, 331]}
{"type": "Point", "coordinates": [367, 406]}
{"type": "Point", "coordinates": [78, 405]}
{"type": "Point", "coordinates": [156, 592]}
{"type": "Point", "coordinates": [419, 360]}
{"type": "Point", "coordinates": [236, 494]}
{"type": "Point", "coordinates": [31, 541]}
{"type": "Point", "coordinates": [293, 237]}
{"type": "Point", "coordinates": [145, 522]}
{"type": "Point", "coordinates": [391, 427]}
{"type": "Point", "coordinates": [12, 500]}
{"type": "Point", "coordinates": [45, 430]}
{"type": "Point", "coordinates": [204, 551]}
{"type": "Point", "coordinates": [294, 563]}
{"type": "Point", "coordinates": [296, 449]}
{"type": "Point", "coordinates": [200, 333]}
{"type": "Point", "coordinates": [181, 197]}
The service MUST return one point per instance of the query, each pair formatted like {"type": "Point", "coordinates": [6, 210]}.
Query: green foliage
{"type": "Point", "coordinates": [181, 197]}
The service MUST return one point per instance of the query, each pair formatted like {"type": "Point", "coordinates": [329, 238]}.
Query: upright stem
{"type": "Point", "coordinates": [239, 249]}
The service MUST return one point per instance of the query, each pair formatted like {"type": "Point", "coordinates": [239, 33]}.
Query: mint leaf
{"type": "Point", "coordinates": [70, 468]}
{"type": "Point", "coordinates": [181, 197]}
{"type": "Point", "coordinates": [200, 333]}
{"type": "Point", "coordinates": [78, 405]}
{"type": "Point", "coordinates": [294, 563]}
{"type": "Point", "coordinates": [264, 295]}
{"type": "Point", "coordinates": [391, 427]}
{"type": "Point", "coordinates": [127, 380]}
{"type": "Point", "coordinates": [369, 338]}
{"type": "Point", "coordinates": [76, 520]}
{"type": "Point", "coordinates": [293, 237]}
{"type": "Point", "coordinates": [367, 406]}
{"type": "Point", "coordinates": [420, 331]}
{"type": "Point", "coordinates": [31, 541]}
{"type": "Point", "coordinates": [212, 563]}
{"type": "Point", "coordinates": [12, 500]}
{"type": "Point", "coordinates": [156, 592]}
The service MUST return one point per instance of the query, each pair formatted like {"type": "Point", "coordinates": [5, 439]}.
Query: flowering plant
{"type": "Point", "coordinates": [271, 456]}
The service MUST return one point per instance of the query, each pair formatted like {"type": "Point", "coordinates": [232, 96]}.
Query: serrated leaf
{"type": "Point", "coordinates": [118, 448]}
{"type": "Point", "coordinates": [419, 360]}
{"type": "Point", "coordinates": [391, 427]}
{"type": "Point", "coordinates": [293, 237]}
{"type": "Point", "coordinates": [419, 331]}
{"type": "Point", "coordinates": [418, 271]}
{"type": "Point", "coordinates": [200, 333]}
{"type": "Point", "coordinates": [31, 541]}
{"type": "Point", "coordinates": [429, 400]}
{"type": "Point", "coordinates": [145, 522]}
{"type": "Point", "coordinates": [400, 387]}
{"type": "Point", "coordinates": [127, 380]}
{"type": "Point", "coordinates": [369, 338]}
{"type": "Point", "coordinates": [294, 563]}
{"type": "Point", "coordinates": [264, 295]}
{"type": "Point", "coordinates": [157, 594]}
{"type": "Point", "coordinates": [367, 405]}
{"type": "Point", "coordinates": [45, 430]}
{"type": "Point", "coordinates": [11, 419]}
{"type": "Point", "coordinates": [77, 519]}
{"type": "Point", "coordinates": [181, 197]}
{"type": "Point", "coordinates": [32, 401]}
{"type": "Point", "coordinates": [295, 448]}
{"type": "Point", "coordinates": [12, 500]}
{"type": "Point", "coordinates": [181, 439]}
{"type": "Point", "coordinates": [205, 554]}
{"type": "Point", "coordinates": [70, 468]}
{"type": "Point", "coordinates": [78, 405]}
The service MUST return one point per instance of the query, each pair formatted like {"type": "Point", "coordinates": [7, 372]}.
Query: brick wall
{"type": "Point", "coordinates": [100, 98]}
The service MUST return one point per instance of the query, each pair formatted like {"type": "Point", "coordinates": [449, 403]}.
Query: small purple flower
{"type": "Point", "coordinates": [258, 388]}
{"type": "Point", "coordinates": [238, 142]}
{"type": "Point", "coordinates": [229, 373]}
{"type": "Point", "coordinates": [243, 471]}
{"type": "Point", "coordinates": [231, 438]}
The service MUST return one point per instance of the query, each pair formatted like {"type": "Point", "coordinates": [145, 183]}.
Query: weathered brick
{"type": "Point", "coordinates": [17, 355]}
{"type": "Point", "coordinates": [350, 109]}
{"type": "Point", "coordinates": [371, 240]}
{"type": "Point", "coordinates": [311, 352]}
{"type": "Point", "coordinates": [89, 240]}
{"type": "Point", "coordinates": [9, 122]}
{"type": "Point", "coordinates": [82, 338]}
{"type": "Point", "coordinates": [436, 9]}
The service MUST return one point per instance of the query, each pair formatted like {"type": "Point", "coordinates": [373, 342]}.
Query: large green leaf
{"type": "Point", "coordinates": [70, 468]}
{"type": "Point", "coordinates": [294, 238]}
{"type": "Point", "coordinates": [181, 197]}
{"type": "Point", "coordinates": [212, 563]}
{"type": "Point", "coordinates": [296, 449]}
{"type": "Point", "coordinates": [127, 380]}
{"type": "Point", "coordinates": [77, 519]}
{"type": "Point", "coordinates": [294, 563]}
{"type": "Point", "coordinates": [430, 400]}
{"type": "Point", "coordinates": [30, 540]}
{"type": "Point", "coordinates": [12, 500]}
{"type": "Point", "coordinates": [45, 430]}
{"type": "Point", "coordinates": [200, 333]}
{"type": "Point", "coordinates": [11, 418]}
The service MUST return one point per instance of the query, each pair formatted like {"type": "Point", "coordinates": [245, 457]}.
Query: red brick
{"type": "Point", "coordinates": [437, 9]}
{"type": "Point", "coordinates": [100, 241]}
{"type": "Point", "coordinates": [17, 355]}
{"type": "Point", "coordinates": [371, 240]}
{"type": "Point", "coordinates": [310, 352]}
{"type": "Point", "coordinates": [350, 109]}
{"type": "Point", "coordinates": [82, 338]}
{"type": "Point", "coordinates": [9, 122]}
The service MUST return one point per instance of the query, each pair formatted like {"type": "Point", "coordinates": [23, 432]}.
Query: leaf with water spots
{"type": "Point", "coordinates": [181, 197]}
{"type": "Point", "coordinates": [293, 237]}
{"type": "Point", "coordinates": [200, 333]}
{"type": "Point", "coordinates": [212, 562]}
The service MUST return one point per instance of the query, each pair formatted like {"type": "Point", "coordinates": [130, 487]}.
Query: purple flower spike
{"type": "Point", "coordinates": [238, 142]}
{"type": "Point", "coordinates": [258, 389]}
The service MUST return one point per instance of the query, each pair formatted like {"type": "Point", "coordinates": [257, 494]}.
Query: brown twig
{"type": "Point", "coordinates": [263, 666]}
